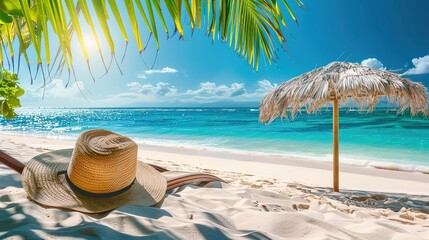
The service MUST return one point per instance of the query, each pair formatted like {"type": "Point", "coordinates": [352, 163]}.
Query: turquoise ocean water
{"type": "Point", "coordinates": [381, 138]}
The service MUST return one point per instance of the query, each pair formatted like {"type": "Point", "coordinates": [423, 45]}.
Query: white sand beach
{"type": "Point", "coordinates": [267, 197]}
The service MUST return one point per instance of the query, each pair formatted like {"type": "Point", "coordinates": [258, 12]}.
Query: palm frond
{"type": "Point", "coordinates": [253, 27]}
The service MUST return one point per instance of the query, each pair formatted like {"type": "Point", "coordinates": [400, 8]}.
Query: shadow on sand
{"type": "Point", "coordinates": [369, 199]}
{"type": "Point", "coordinates": [21, 218]}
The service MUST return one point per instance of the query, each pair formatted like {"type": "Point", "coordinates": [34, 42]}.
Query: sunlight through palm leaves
{"type": "Point", "coordinates": [252, 26]}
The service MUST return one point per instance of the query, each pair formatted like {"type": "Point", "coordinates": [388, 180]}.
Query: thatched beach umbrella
{"type": "Point", "coordinates": [341, 83]}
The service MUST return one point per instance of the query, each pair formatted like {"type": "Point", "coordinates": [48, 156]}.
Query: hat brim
{"type": "Point", "coordinates": [45, 186]}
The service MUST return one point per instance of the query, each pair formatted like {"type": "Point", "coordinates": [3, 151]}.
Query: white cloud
{"type": "Point", "coordinates": [153, 94]}
{"type": "Point", "coordinates": [264, 86]}
{"type": "Point", "coordinates": [56, 94]}
{"type": "Point", "coordinates": [57, 89]}
{"type": "Point", "coordinates": [156, 71]}
{"type": "Point", "coordinates": [208, 91]}
{"type": "Point", "coordinates": [236, 92]}
{"type": "Point", "coordinates": [163, 70]}
{"type": "Point", "coordinates": [421, 66]}
{"type": "Point", "coordinates": [127, 95]}
{"type": "Point", "coordinates": [141, 76]}
{"type": "Point", "coordinates": [373, 63]}
{"type": "Point", "coordinates": [160, 89]}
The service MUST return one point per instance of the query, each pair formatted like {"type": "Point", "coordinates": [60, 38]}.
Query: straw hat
{"type": "Point", "coordinates": [101, 173]}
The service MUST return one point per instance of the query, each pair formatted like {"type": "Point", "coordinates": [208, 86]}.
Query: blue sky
{"type": "Point", "coordinates": [388, 34]}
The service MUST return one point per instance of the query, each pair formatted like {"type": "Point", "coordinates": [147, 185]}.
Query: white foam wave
{"type": "Point", "coordinates": [65, 129]}
{"type": "Point", "coordinates": [175, 110]}
{"type": "Point", "coordinates": [213, 144]}
{"type": "Point", "coordinates": [362, 161]}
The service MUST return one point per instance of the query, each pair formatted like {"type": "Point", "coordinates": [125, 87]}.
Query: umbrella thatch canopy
{"type": "Point", "coordinates": [340, 82]}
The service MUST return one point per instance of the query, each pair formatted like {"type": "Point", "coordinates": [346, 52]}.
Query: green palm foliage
{"type": "Point", "coordinates": [251, 27]}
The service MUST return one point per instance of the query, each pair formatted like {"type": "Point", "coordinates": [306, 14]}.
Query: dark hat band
{"type": "Point", "coordinates": [95, 195]}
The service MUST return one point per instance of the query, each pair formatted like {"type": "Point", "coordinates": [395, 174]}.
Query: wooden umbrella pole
{"type": "Point", "coordinates": [335, 127]}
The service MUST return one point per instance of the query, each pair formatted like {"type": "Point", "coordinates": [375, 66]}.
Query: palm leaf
{"type": "Point", "coordinates": [143, 14]}
{"type": "Point", "coordinates": [175, 13]}
{"type": "Point", "coordinates": [100, 11]}
{"type": "Point", "coordinates": [85, 10]}
{"type": "Point", "coordinates": [130, 9]}
{"type": "Point", "coordinates": [152, 21]}
{"type": "Point", "coordinates": [252, 27]}
{"type": "Point", "coordinates": [118, 18]}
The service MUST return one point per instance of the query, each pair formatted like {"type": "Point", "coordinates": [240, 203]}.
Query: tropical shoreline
{"type": "Point", "coordinates": [261, 197]}
{"type": "Point", "coordinates": [346, 160]}
{"type": "Point", "coordinates": [317, 130]}
{"type": "Point", "coordinates": [285, 168]}
{"type": "Point", "coordinates": [377, 140]}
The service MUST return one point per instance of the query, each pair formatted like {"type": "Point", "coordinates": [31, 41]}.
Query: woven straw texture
{"type": "Point", "coordinates": [117, 155]}
{"type": "Point", "coordinates": [345, 82]}
{"type": "Point", "coordinates": [102, 162]}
